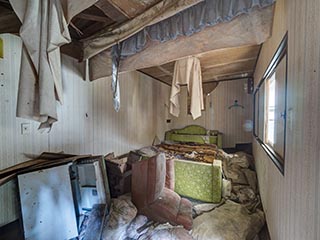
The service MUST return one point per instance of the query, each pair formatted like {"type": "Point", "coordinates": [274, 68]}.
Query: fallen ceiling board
{"type": "Point", "coordinates": [247, 29]}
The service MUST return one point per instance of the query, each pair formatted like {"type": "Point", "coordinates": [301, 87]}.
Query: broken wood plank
{"type": "Point", "coordinates": [55, 163]}
{"type": "Point", "coordinates": [7, 179]}
{"type": "Point", "coordinates": [54, 155]}
{"type": "Point", "coordinates": [18, 167]}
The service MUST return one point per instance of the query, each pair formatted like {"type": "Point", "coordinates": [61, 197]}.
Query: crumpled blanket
{"type": "Point", "coordinates": [44, 29]}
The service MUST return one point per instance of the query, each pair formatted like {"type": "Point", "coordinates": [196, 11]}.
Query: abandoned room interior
{"type": "Point", "coordinates": [157, 119]}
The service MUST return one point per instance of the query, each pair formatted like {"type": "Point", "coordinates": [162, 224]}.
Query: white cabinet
{"type": "Point", "coordinates": [47, 204]}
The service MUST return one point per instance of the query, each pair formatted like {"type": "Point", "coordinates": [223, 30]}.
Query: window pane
{"type": "Point", "coordinates": [270, 110]}
{"type": "Point", "coordinates": [280, 109]}
{"type": "Point", "coordinates": [261, 111]}
{"type": "Point", "coordinates": [256, 113]}
{"type": "Point", "coordinates": [275, 109]}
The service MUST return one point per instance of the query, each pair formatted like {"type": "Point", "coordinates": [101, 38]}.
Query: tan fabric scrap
{"type": "Point", "coordinates": [187, 71]}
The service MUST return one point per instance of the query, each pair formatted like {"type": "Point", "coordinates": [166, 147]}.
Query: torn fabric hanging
{"type": "Point", "coordinates": [187, 71]}
{"type": "Point", "coordinates": [44, 29]}
{"type": "Point", "coordinates": [116, 52]}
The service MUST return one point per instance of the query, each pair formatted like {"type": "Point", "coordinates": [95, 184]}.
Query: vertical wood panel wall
{"type": "Point", "coordinates": [217, 115]}
{"type": "Point", "coordinates": [292, 201]}
{"type": "Point", "coordinates": [87, 121]}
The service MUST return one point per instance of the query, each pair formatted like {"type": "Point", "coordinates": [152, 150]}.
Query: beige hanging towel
{"type": "Point", "coordinates": [187, 71]}
{"type": "Point", "coordinates": [44, 29]}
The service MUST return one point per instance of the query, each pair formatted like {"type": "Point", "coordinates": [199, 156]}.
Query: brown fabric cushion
{"type": "Point", "coordinates": [170, 174]}
{"type": "Point", "coordinates": [156, 177]}
{"type": "Point", "coordinates": [185, 214]}
{"type": "Point", "coordinates": [153, 199]}
{"type": "Point", "coordinates": [139, 183]}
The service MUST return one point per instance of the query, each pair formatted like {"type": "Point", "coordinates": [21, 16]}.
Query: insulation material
{"type": "Point", "coordinates": [194, 19]}
{"type": "Point", "coordinates": [254, 28]}
{"type": "Point", "coordinates": [160, 11]}
{"type": "Point", "coordinates": [1, 48]}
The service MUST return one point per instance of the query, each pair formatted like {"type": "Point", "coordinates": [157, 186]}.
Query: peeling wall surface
{"type": "Point", "coordinates": [87, 122]}
{"type": "Point", "coordinates": [218, 116]}
{"type": "Point", "coordinates": [291, 201]}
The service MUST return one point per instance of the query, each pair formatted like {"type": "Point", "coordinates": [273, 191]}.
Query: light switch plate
{"type": "Point", "coordinates": [25, 128]}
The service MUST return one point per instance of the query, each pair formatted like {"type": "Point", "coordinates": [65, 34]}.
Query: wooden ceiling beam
{"type": "Point", "coordinates": [9, 21]}
{"type": "Point", "coordinates": [73, 49]}
{"type": "Point", "coordinates": [165, 71]}
{"type": "Point", "coordinates": [92, 17]}
{"type": "Point", "coordinates": [92, 29]}
{"type": "Point", "coordinates": [231, 75]}
{"type": "Point", "coordinates": [111, 10]}
{"type": "Point", "coordinates": [158, 79]}
{"type": "Point", "coordinates": [239, 61]}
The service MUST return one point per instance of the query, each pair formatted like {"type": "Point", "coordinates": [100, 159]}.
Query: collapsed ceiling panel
{"type": "Point", "coordinates": [215, 65]}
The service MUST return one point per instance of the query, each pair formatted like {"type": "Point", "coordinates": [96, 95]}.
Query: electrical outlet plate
{"type": "Point", "coordinates": [25, 128]}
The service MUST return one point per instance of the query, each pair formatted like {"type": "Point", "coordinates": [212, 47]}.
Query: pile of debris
{"type": "Point", "coordinates": [238, 216]}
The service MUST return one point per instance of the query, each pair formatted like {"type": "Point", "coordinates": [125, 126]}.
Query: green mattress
{"type": "Point", "coordinates": [197, 180]}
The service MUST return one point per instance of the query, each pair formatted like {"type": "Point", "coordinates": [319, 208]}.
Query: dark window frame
{"type": "Point", "coordinates": [281, 52]}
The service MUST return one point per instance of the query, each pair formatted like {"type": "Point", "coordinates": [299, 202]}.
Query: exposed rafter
{"type": "Point", "coordinates": [111, 11]}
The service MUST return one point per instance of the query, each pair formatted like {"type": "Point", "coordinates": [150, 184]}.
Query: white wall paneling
{"type": "Point", "coordinates": [87, 122]}
{"type": "Point", "coordinates": [217, 115]}
{"type": "Point", "coordinates": [291, 201]}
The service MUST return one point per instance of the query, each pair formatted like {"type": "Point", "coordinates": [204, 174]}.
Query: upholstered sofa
{"type": "Point", "coordinates": [196, 134]}
{"type": "Point", "coordinates": [153, 199]}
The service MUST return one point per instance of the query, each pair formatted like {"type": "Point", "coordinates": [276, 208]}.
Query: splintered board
{"type": "Point", "coordinates": [1, 48]}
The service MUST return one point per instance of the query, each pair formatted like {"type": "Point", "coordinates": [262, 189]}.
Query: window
{"type": "Point", "coordinates": [270, 107]}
